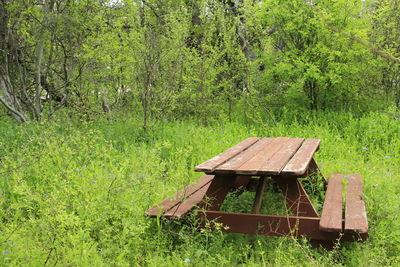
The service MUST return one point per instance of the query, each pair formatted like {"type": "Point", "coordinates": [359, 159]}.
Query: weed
{"type": "Point", "coordinates": [74, 193]}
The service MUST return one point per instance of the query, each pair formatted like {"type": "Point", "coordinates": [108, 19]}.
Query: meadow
{"type": "Point", "coordinates": [73, 192]}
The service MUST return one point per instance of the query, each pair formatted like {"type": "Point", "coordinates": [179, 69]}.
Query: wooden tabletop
{"type": "Point", "coordinates": [264, 156]}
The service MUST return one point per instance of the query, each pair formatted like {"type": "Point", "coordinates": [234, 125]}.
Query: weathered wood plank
{"type": "Point", "coordinates": [187, 204]}
{"type": "Point", "coordinates": [272, 225]}
{"type": "Point", "coordinates": [256, 161]}
{"type": "Point", "coordinates": [277, 162]}
{"type": "Point", "coordinates": [331, 218]}
{"type": "Point", "coordinates": [356, 216]}
{"type": "Point", "coordinates": [172, 201]}
{"type": "Point", "coordinates": [211, 164]}
{"type": "Point", "coordinates": [300, 161]}
{"type": "Point", "coordinates": [234, 163]}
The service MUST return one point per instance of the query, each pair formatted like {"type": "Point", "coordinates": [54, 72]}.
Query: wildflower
{"type": "Point", "coordinates": [365, 148]}
{"type": "Point", "coordinates": [93, 182]}
{"type": "Point", "coordinates": [388, 157]}
{"type": "Point", "coordinates": [77, 169]}
{"type": "Point", "coordinates": [187, 260]}
{"type": "Point", "coordinates": [344, 170]}
{"type": "Point", "coordinates": [376, 185]}
{"type": "Point", "coordinates": [6, 252]}
{"type": "Point", "coordinates": [44, 195]}
{"type": "Point", "coordinates": [321, 165]}
{"type": "Point", "coordinates": [346, 176]}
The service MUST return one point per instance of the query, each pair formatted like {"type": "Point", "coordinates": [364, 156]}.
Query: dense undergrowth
{"type": "Point", "coordinates": [73, 193]}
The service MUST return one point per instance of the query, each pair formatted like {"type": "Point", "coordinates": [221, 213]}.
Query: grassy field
{"type": "Point", "coordinates": [74, 193]}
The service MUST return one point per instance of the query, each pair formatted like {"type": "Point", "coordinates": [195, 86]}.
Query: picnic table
{"type": "Point", "coordinates": [283, 160]}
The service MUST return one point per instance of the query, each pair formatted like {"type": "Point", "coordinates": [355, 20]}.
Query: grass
{"type": "Point", "coordinates": [74, 193]}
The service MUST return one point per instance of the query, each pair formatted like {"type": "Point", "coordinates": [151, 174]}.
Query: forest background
{"type": "Point", "coordinates": [203, 59]}
{"type": "Point", "coordinates": [91, 88]}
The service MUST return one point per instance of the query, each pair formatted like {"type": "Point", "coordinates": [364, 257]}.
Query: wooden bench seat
{"type": "Point", "coordinates": [356, 216]}
{"type": "Point", "coordinates": [180, 204]}
{"type": "Point", "coordinates": [355, 219]}
{"type": "Point", "coordinates": [331, 218]}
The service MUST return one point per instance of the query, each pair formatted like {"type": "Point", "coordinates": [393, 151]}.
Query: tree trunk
{"type": "Point", "coordinates": [38, 93]}
{"type": "Point", "coordinates": [8, 97]}
{"type": "Point", "coordinates": [12, 104]}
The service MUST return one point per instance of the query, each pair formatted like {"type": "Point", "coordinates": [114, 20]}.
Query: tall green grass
{"type": "Point", "coordinates": [73, 193]}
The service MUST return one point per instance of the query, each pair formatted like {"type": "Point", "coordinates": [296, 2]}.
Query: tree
{"type": "Point", "coordinates": [385, 34]}
{"type": "Point", "coordinates": [40, 48]}
{"type": "Point", "coordinates": [9, 58]}
{"type": "Point", "coordinates": [307, 66]}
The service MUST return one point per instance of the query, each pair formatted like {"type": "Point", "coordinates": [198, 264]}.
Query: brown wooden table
{"type": "Point", "coordinates": [284, 160]}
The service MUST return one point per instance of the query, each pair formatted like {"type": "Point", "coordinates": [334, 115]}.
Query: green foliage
{"type": "Point", "coordinates": [385, 33]}
{"type": "Point", "coordinates": [203, 59]}
{"type": "Point", "coordinates": [168, 68]}
{"type": "Point", "coordinates": [306, 65]}
{"type": "Point", "coordinates": [75, 192]}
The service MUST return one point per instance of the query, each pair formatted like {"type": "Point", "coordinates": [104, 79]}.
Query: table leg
{"type": "Point", "coordinates": [296, 197]}
{"type": "Point", "coordinates": [240, 185]}
{"type": "Point", "coordinates": [314, 170]}
{"type": "Point", "coordinates": [242, 181]}
{"type": "Point", "coordinates": [217, 191]}
{"type": "Point", "coordinates": [259, 195]}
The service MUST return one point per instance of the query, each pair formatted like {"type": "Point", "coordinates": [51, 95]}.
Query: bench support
{"type": "Point", "coordinates": [259, 195]}
{"type": "Point", "coordinates": [272, 225]}
{"type": "Point", "coordinates": [296, 197]}
{"type": "Point", "coordinates": [210, 191]}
